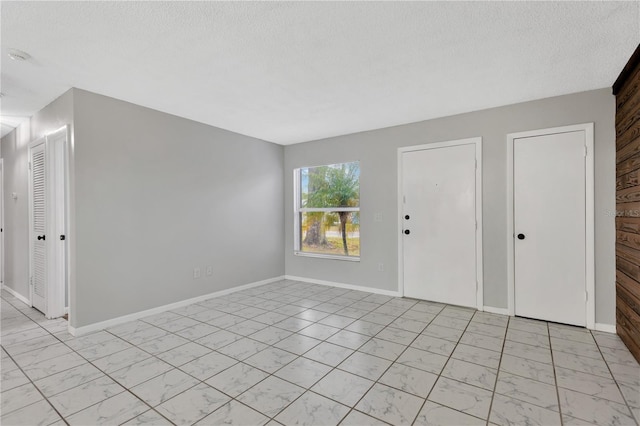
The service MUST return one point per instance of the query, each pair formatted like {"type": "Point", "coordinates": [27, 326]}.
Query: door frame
{"type": "Point", "coordinates": [59, 140]}
{"type": "Point", "coordinates": [56, 199]}
{"type": "Point", "coordinates": [589, 214]}
{"type": "Point", "coordinates": [477, 142]}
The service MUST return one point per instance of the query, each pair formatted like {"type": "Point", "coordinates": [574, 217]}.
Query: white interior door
{"type": "Point", "coordinates": [38, 225]}
{"type": "Point", "coordinates": [549, 188]}
{"type": "Point", "coordinates": [439, 224]}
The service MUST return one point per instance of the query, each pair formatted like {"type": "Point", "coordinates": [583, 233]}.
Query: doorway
{"type": "Point", "coordinates": [440, 210]}
{"type": "Point", "coordinates": [47, 223]}
{"type": "Point", "coordinates": [550, 212]}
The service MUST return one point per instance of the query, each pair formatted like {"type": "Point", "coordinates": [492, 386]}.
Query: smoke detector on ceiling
{"type": "Point", "coordinates": [18, 55]}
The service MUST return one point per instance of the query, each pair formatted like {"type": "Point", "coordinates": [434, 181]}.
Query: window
{"type": "Point", "coordinates": [327, 211]}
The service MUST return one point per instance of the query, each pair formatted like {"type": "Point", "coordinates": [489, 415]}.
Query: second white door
{"type": "Point", "coordinates": [549, 194]}
{"type": "Point", "coordinates": [440, 238]}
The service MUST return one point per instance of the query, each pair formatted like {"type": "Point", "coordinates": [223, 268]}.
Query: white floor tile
{"type": "Point", "coordinates": [313, 409]}
{"type": "Point", "coordinates": [462, 397]}
{"type": "Point", "coordinates": [509, 411]}
{"type": "Point", "coordinates": [139, 372]}
{"type": "Point", "coordinates": [237, 379]}
{"type": "Point", "coordinates": [37, 414]}
{"type": "Point", "coordinates": [433, 414]}
{"type": "Point", "coordinates": [356, 418]}
{"type": "Point", "coordinates": [163, 387]}
{"type": "Point", "coordinates": [299, 353]}
{"type": "Point", "coordinates": [391, 405]}
{"type": "Point", "coordinates": [409, 379]}
{"type": "Point", "coordinates": [234, 414]}
{"type": "Point", "coordinates": [365, 365]}
{"type": "Point", "coordinates": [192, 404]}
{"type": "Point", "coordinates": [151, 418]}
{"type": "Point", "coordinates": [527, 390]}
{"type": "Point", "coordinates": [328, 353]}
{"type": "Point", "coordinates": [303, 372]}
{"type": "Point", "coordinates": [471, 374]}
{"type": "Point", "coordinates": [114, 410]}
{"type": "Point", "coordinates": [271, 396]}
{"type": "Point", "coordinates": [19, 397]}
{"type": "Point", "coordinates": [342, 386]}
{"type": "Point", "coordinates": [75, 399]}
{"type": "Point", "coordinates": [68, 379]}
{"type": "Point", "coordinates": [208, 365]}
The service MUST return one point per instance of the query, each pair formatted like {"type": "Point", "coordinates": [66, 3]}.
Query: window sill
{"type": "Point", "coordinates": [327, 256]}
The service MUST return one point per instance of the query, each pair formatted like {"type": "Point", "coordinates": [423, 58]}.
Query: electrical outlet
{"type": "Point", "coordinates": [196, 273]}
{"type": "Point", "coordinates": [209, 271]}
{"type": "Point", "coordinates": [380, 267]}
{"type": "Point", "coordinates": [377, 217]}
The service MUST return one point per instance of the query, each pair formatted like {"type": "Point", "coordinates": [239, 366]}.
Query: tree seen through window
{"type": "Point", "coordinates": [329, 209]}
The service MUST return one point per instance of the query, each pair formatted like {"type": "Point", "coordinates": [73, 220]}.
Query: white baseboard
{"type": "Point", "coordinates": [492, 310]}
{"type": "Point", "coordinates": [346, 286]}
{"type": "Point", "coordinates": [17, 295]}
{"type": "Point", "coordinates": [607, 328]}
{"type": "Point", "coordinates": [137, 315]}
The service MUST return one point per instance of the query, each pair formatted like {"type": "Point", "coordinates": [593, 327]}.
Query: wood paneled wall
{"type": "Point", "coordinates": [627, 92]}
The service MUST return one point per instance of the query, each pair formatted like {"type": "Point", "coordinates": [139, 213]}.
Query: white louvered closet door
{"type": "Point", "coordinates": [38, 226]}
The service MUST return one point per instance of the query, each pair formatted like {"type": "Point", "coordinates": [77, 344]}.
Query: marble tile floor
{"type": "Point", "coordinates": [297, 353]}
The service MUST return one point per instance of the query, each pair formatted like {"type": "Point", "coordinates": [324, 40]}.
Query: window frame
{"type": "Point", "coordinates": [297, 213]}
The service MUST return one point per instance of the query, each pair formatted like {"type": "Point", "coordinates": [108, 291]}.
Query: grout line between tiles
{"type": "Point", "coordinates": [555, 378]}
{"type": "Point", "coordinates": [495, 385]}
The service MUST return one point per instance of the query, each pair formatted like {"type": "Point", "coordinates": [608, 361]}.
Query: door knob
{"type": "Point", "coordinates": [406, 217]}
{"type": "Point", "coordinates": [407, 232]}
{"type": "Point", "coordinates": [521, 236]}
{"type": "Point", "coordinates": [41, 237]}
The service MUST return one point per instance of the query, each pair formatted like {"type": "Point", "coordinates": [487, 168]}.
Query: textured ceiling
{"type": "Point", "coordinates": [290, 72]}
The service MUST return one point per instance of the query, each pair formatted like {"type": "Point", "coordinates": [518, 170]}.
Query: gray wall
{"type": "Point", "coordinates": [157, 195]}
{"type": "Point", "coordinates": [152, 196]}
{"type": "Point", "coordinates": [16, 177]}
{"type": "Point", "coordinates": [377, 153]}
{"type": "Point", "coordinates": [16, 243]}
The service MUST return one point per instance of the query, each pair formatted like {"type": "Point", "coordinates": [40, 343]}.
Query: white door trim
{"type": "Point", "coordinates": [477, 141]}
{"type": "Point", "coordinates": [589, 214]}
{"type": "Point", "coordinates": [57, 146]}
